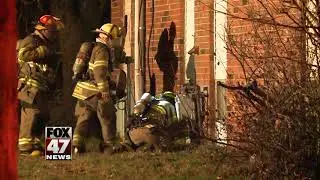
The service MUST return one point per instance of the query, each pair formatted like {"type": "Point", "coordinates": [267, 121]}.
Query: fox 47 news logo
{"type": "Point", "coordinates": [58, 143]}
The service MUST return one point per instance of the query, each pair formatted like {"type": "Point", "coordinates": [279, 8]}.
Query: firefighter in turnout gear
{"type": "Point", "coordinates": [37, 58]}
{"type": "Point", "coordinates": [153, 115]}
{"type": "Point", "coordinates": [93, 89]}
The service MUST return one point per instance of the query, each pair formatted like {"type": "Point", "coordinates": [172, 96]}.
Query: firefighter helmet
{"type": "Point", "coordinates": [49, 22]}
{"type": "Point", "coordinates": [169, 96]}
{"type": "Point", "coordinates": [111, 30]}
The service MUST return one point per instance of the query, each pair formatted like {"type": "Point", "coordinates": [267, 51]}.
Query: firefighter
{"type": "Point", "coordinates": [37, 57]}
{"type": "Point", "coordinates": [93, 90]}
{"type": "Point", "coordinates": [153, 117]}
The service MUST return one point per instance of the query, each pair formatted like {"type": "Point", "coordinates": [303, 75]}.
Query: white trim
{"type": "Point", "coordinates": [220, 66]}
{"type": "Point", "coordinates": [220, 25]}
{"type": "Point", "coordinates": [189, 31]}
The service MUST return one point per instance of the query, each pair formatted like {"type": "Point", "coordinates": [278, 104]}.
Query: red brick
{"type": "Point", "coordinates": [176, 6]}
{"type": "Point", "coordinates": [161, 8]}
{"type": "Point", "coordinates": [204, 44]}
{"type": "Point", "coordinates": [161, 1]}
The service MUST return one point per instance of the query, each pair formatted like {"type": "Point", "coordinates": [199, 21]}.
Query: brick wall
{"type": "Point", "coordinates": [204, 18]}
{"type": "Point", "coordinates": [166, 12]}
{"type": "Point", "coordinates": [238, 28]}
{"type": "Point", "coordinates": [204, 39]}
{"type": "Point", "coordinates": [117, 7]}
{"type": "Point", "coordinates": [241, 30]}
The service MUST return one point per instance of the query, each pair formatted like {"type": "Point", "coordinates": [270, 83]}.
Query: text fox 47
{"type": "Point", "coordinates": [58, 143]}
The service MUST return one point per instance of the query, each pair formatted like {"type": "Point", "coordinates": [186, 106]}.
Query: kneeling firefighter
{"type": "Point", "coordinates": [152, 116]}
{"type": "Point", "coordinates": [92, 70]}
{"type": "Point", "coordinates": [37, 62]}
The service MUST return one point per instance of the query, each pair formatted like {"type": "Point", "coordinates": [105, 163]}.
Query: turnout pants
{"type": "Point", "coordinates": [33, 119]}
{"type": "Point", "coordinates": [91, 109]}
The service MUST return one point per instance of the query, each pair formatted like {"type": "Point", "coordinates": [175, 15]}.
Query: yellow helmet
{"type": "Point", "coordinates": [111, 30]}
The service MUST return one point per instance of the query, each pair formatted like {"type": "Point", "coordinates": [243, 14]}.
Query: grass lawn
{"type": "Point", "coordinates": [203, 162]}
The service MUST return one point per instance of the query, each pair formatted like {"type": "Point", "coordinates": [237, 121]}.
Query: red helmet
{"type": "Point", "coordinates": [49, 21]}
